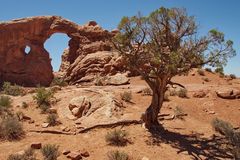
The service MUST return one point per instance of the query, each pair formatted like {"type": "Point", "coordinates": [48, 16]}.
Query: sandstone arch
{"type": "Point", "coordinates": [34, 68]}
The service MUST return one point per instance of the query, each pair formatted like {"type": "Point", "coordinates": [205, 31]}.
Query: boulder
{"type": "Point", "coordinates": [200, 94]}
{"type": "Point", "coordinates": [36, 145]}
{"type": "Point", "coordinates": [79, 106]}
{"type": "Point", "coordinates": [74, 156]}
{"type": "Point", "coordinates": [228, 93]}
{"type": "Point", "coordinates": [85, 153]}
{"type": "Point", "coordinates": [66, 152]}
{"type": "Point", "coordinates": [118, 79]}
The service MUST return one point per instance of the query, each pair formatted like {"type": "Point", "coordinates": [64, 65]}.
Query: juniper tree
{"type": "Point", "coordinates": [165, 44]}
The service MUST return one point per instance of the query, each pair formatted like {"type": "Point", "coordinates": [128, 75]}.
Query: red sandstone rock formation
{"type": "Point", "coordinates": [34, 68]}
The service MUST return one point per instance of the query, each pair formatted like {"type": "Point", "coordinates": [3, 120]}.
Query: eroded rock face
{"type": "Point", "coordinates": [30, 69]}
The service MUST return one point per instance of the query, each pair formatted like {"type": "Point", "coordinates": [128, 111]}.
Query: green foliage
{"type": "Point", "coordinates": [182, 93]}
{"type": "Point", "coordinates": [24, 105]}
{"type": "Point", "coordinates": [126, 96]}
{"type": "Point", "coordinates": [219, 70]}
{"type": "Point", "coordinates": [201, 72]}
{"type": "Point", "coordinates": [52, 119]}
{"type": "Point", "coordinates": [43, 97]}
{"type": "Point", "coordinates": [11, 129]}
{"type": "Point", "coordinates": [5, 103]}
{"type": "Point", "coordinates": [99, 81]}
{"type": "Point", "coordinates": [50, 152]}
{"type": "Point", "coordinates": [228, 131]}
{"type": "Point", "coordinates": [208, 69]}
{"type": "Point", "coordinates": [58, 82]}
{"type": "Point", "coordinates": [166, 43]}
{"type": "Point", "coordinates": [15, 157]}
{"type": "Point", "coordinates": [147, 91]}
{"type": "Point", "coordinates": [13, 90]}
{"type": "Point", "coordinates": [19, 115]}
{"type": "Point", "coordinates": [117, 155]}
{"type": "Point", "coordinates": [117, 138]}
{"type": "Point", "coordinates": [28, 155]}
{"type": "Point", "coordinates": [179, 113]}
{"type": "Point", "coordinates": [172, 92]}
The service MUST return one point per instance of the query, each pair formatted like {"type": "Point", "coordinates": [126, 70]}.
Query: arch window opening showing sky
{"type": "Point", "coordinates": [55, 46]}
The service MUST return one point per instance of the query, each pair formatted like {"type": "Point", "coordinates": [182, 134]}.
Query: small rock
{"type": "Point", "coordinates": [21, 153]}
{"type": "Point", "coordinates": [211, 112]}
{"type": "Point", "coordinates": [45, 125]}
{"type": "Point", "coordinates": [199, 94]}
{"type": "Point", "coordinates": [85, 153]}
{"type": "Point", "coordinates": [31, 121]}
{"type": "Point", "coordinates": [26, 117]}
{"type": "Point", "coordinates": [145, 158]}
{"type": "Point", "coordinates": [65, 152]}
{"type": "Point", "coordinates": [65, 129]}
{"type": "Point", "coordinates": [172, 117]}
{"type": "Point", "coordinates": [52, 110]}
{"type": "Point", "coordinates": [74, 156]}
{"type": "Point", "coordinates": [36, 145]}
{"type": "Point", "coordinates": [76, 112]}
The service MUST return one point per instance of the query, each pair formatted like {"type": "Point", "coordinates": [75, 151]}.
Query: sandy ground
{"type": "Point", "coordinates": [191, 138]}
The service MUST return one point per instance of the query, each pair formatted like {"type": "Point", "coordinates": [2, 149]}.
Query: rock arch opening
{"type": "Point", "coordinates": [55, 45]}
{"type": "Point", "coordinates": [27, 49]}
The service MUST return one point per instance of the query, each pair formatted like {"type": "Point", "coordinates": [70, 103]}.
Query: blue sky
{"type": "Point", "coordinates": [220, 14]}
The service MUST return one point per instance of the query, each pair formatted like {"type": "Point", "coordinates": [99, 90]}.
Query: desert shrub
{"type": "Point", "coordinates": [208, 69]}
{"type": "Point", "coordinates": [117, 137]}
{"type": "Point", "coordinates": [201, 72]}
{"type": "Point", "coordinates": [44, 108]}
{"type": "Point", "coordinates": [43, 98]}
{"type": "Point", "coordinates": [13, 90]}
{"type": "Point", "coordinates": [50, 152]}
{"type": "Point", "coordinates": [233, 76]}
{"type": "Point", "coordinates": [117, 155]}
{"type": "Point", "coordinates": [28, 155]}
{"type": "Point", "coordinates": [147, 91]}
{"type": "Point", "coordinates": [126, 96]}
{"type": "Point", "coordinates": [19, 115]}
{"type": "Point", "coordinates": [179, 113]}
{"type": "Point", "coordinates": [172, 92]}
{"type": "Point", "coordinates": [11, 129]}
{"type": "Point", "coordinates": [5, 104]}
{"type": "Point", "coordinates": [219, 70]}
{"type": "Point", "coordinates": [24, 105]}
{"type": "Point", "coordinates": [52, 119]}
{"type": "Point", "coordinates": [15, 157]}
{"type": "Point", "coordinates": [58, 82]}
{"type": "Point", "coordinates": [232, 136]}
{"type": "Point", "coordinates": [222, 127]}
{"type": "Point", "coordinates": [182, 93]}
{"type": "Point", "coordinates": [100, 81]}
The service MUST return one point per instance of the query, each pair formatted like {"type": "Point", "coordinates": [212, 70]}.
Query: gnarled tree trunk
{"type": "Point", "coordinates": [150, 116]}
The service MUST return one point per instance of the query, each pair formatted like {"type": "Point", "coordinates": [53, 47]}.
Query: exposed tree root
{"type": "Point", "coordinates": [52, 132]}
{"type": "Point", "coordinates": [111, 125]}
{"type": "Point", "coordinates": [108, 125]}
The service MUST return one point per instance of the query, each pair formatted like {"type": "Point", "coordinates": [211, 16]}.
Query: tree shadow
{"type": "Point", "coordinates": [194, 144]}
